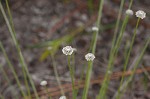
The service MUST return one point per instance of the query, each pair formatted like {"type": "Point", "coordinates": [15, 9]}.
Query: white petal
{"type": "Point", "coordinates": [63, 97]}
{"type": "Point", "coordinates": [43, 83]}
{"type": "Point", "coordinates": [68, 50]}
{"type": "Point", "coordinates": [89, 57]}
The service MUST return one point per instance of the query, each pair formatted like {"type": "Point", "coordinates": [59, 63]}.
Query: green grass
{"type": "Point", "coordinates": [21, 58]}
{"type": "Point", "coordinates": [1, 96]}
{"type": "Point", "coordinates": [13, 70]}
{"type": "Point", "coordinates": [87, 81]}
{"type": "Point", "coordinates": [128, 54]}
{"type": "Point", "coordinates": [90, 5]}
{"type": "Point", "coordinates": [7, 79]}
{"type": "Point", "coordinates": [49, 94]}
{"type": "Point", "coordinates": [56, 74]}
{"type": "Point", "coordinates": [114, 49]}
{"type": "Point", "coordinates": [13, 34]}
{"type": "Point", "coordinates": [119, 30]}
{"type": "Point", "coordinates": [94, 42]}
{"type": "Point", "coordinates": [123, 88]}
{"type": "Point", "coordinates": [72, 76]}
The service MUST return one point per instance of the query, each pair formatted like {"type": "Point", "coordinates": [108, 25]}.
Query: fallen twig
{"type": "Point", "coordinates": [67, 87]}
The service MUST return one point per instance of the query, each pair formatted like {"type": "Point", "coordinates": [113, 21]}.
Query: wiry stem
{"type": "Point", "coordinates": [12, 69]}
{"type": "Point", "coordinates": [87, 80]}
{"type": "Point", "coordinates": [7, 78]}
{"type": "Point", "coordinates": [134, 69]}
{"type": "Point", "coordinates": [128, 56]}
{"type": "Point", "coordinates": [72, 77]}
{"type": "Point", "coordinates": [113, 53]}
{"type": "Point", "coordinates": [94, 42]}
{"type": "Point", "coordinates": [21, 58]}
{"type": "Point", "coordinates": [56, 74]}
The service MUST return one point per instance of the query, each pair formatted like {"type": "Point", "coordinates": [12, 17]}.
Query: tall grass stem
{"type": "Point", "coordinates": [7, 78]}
{"type": "Point", "coordinates": [128, 55]}
{"type": "Point", "coordinates": [13, 70]}
{"type": "Point", "coordinates": [56, 75]}
{"type": "Point", "coordinates": [72, 76]}
{"type": "Point", "coordinates": [94, 42]}
{"type": "Point", "coordinates": [21, 58]}
{"type": "Point", "coordinates": [87, 81]}
{"type": "Point", "coordinates": [135, 67]}
{"type": "Point", "coordinates": [49, 95]}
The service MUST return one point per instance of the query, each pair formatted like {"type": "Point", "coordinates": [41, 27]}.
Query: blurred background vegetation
{"type": "Point", "coordinates": [44, 24]}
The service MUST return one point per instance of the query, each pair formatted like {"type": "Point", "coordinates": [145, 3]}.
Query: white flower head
{"type": "Point", "coordinates": [89, 57]}
{"type": "Point", "coordinates": [49, 48]}
{"type": "Point", "coordinates": [95, 28]}
{"type": "Point", "coordinates": [68, 50]}
{"type": "Point", "coordinates": [140, 14]}
{"type": "Point", "coordinates": [109, 72]}
{"type": "Point", "coordinates": [43, 83]}
{"type": "Point", "coordinates": [63, 97]}
{"type": "Point", "coordinates": [129, 12]}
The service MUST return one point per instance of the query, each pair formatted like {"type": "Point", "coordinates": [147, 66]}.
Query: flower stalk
{"type": "Point", "coordinates": [13, 70]}
{"type": "Point", "coordinates": [21, 58]}
{"type": "Point", "coordinates": [72, 76]}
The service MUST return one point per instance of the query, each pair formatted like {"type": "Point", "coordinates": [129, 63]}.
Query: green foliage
{"type": "Point", "coordinates": [51, 48]}
{"type": "Point", "coordinates": [54, 45]}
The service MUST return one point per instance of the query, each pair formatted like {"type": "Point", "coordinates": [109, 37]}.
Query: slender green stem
{"type": "Point", "coordinates": [72, 76]}
{"type": "Point", "coordinates": [12, 69]}
{"type": "Point", "coordinates": [135, 67]}
{"type": "Point", "coordinates": [87, 80]}
{"type": "Point", "coordinates": [128, 55]}
{"type": "Point", "coordinates": [1, 96]}
{"type": "Point", "coordinates": [26, 83]}
{"type": "Point", "coordinates": [7, 78]}
{"type": "Point", "coordinates": [73, 62]}
{"type": "Point", "coordinates": [73, 69]}
{"type": "Point", "coordinates": [90, 5]}
{"type": "Point", "coordinates": [117, 25]}
{"type": "Point", "coordinates": [124, 70]}
{"type": "Point", "coordinates": [5, 74]}
{"type": "Point", "coordinates": [94, 42]}
{"type": "Point", "coordinates": [56, 74]}
{"type": "Point", "coordinates": [112, 57]}
{"type": "Point", "coordinates": [113, 53]}
{"type": "Point", "coordinates": [130, 5]}
{"type": "Point", "coordinates": [49, 95]}
{"type": "Point", "coordinates": [10, 17]}
{"type": "Point", "coordinates": [81, 78]}
{"type": "Point", "coordinates": [23, 69]}
{"type": "Point", "coordinates": [140, 57]}
{"type": "Point", "coordinates": [118, 42]}
{"type": "Point", "coordinates": [114, 50]}
{"type": "Point", "coordinates": [98, 25]}
{"type": "Point", "coordinates": [132, 42]}
{"type": "Point", "coordinates": [21, 58]}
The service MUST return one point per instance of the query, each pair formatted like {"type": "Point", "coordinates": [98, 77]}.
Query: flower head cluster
{"type": "Point", "coordinates": [140, 14]}
{"type": "Point", "coordinates": [49, 48]}
{"type": "Point", "coordinates": [129, 12]}
{"type": "Point", "coordinates": [95, 28]}
{"type": "Point", "coordinates": [109, 72]}
{"type": "Point", "coordinates": [89, 57]}
{"type": "Point", "coordinates": [63, 97]}
{"type": "Point", "coordinates": [68, 50]}
{"type": "Point", "coordinates": [43, 83]}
